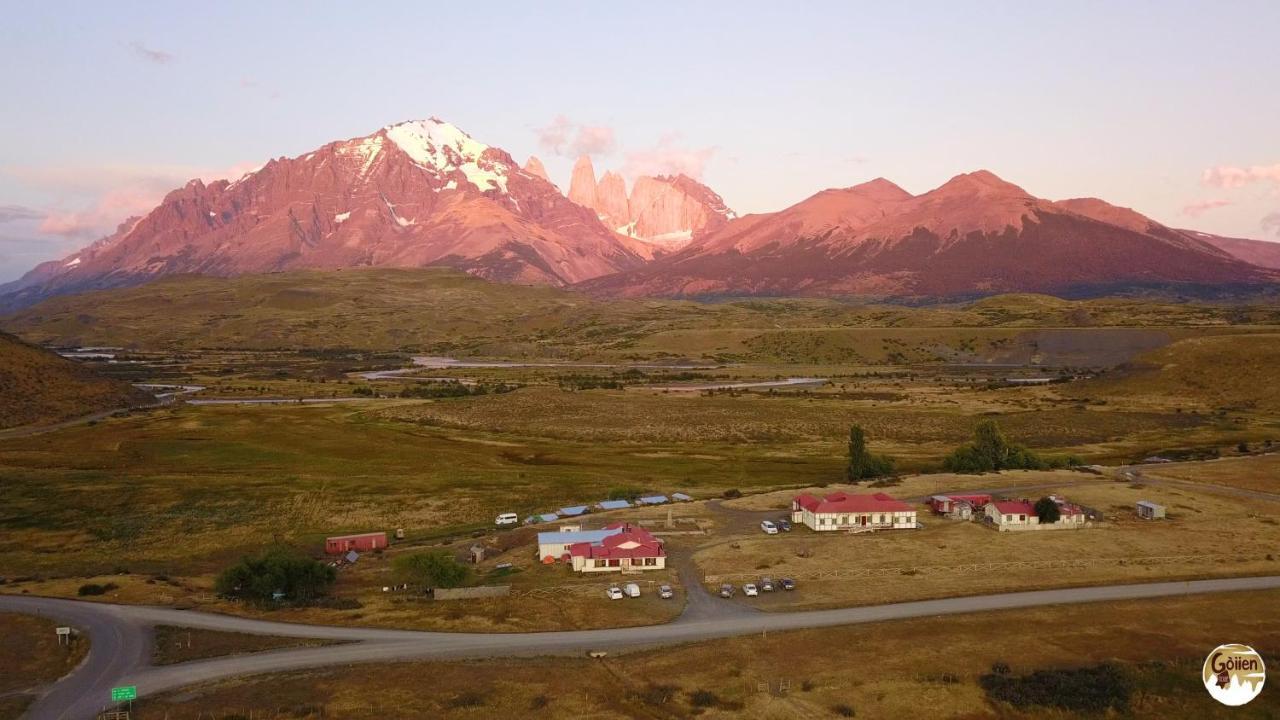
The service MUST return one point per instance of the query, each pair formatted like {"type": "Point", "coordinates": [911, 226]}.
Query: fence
{"type": "Point", "coordinates": [960, 568]}
{"type": "Point", "coordinates": [472, 593]}
{"type": "Point", "coordinates": [591, 588]}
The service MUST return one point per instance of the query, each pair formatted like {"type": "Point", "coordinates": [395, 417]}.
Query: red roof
{"type": "Point", "coordinates": [841, 502]}
{"type": "Point", "coordinates": [632, 542]}
{"type": "Point", "coordinates": [1015, 507]}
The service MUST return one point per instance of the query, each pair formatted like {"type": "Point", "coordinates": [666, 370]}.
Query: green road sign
{"type": "Point", "coordinates": [128, 692]}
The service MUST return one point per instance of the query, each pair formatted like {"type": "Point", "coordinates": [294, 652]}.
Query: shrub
{"type": "Point", "coordinates": [657, 694]}
{"type": "Point", "coordinates": [276, 570]}
{"type": "Point", "coordinates": [433, 569]}
{"type": "Point", "coordinates": [95, 589]}
{"type": "Point", "coordinates": [731, 494]}
{"type": "Point", "coordinates": [843, 710]}
{"type": "Point", "coordinates": [703, 699]}
{"type": "Point", "coordinates": [466, 699]}
{"type": "Point", "coordinates": [990, 451]}
{"type": "Point", "coordinates": [625, 493]}
{"type": "Point", "coordinates": [539, 702]}
{"type": "Point", "coordinates": [1091, 689]}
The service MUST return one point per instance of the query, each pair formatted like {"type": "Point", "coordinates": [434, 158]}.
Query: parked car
{"type": "Point", "coordinates": [726, 591]}
{"type": "Point", "coordinates": [506, 519]}
{"type": "Point", "coordinates": [614, 593]}
{"type": "Point", "coordinates": [784, 525]}
{"type": "Point", "coordinates": [788, 584]}
{"type": "Point", "coordinates": [768, 527]}
{"type": "Point", "coordinates": [665, 593]}
{"type": "Point", "coordinates": [766, 584]}
{"type": "Point", "coordinates": [750, 590]}
{"type": "Point", "coordinates": [632, 590]}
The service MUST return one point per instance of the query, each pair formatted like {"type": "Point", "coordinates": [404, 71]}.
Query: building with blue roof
{"type": "Point", "coordinates": [613, 504]}
{"type": "Point", "coordinates": [653, 500]}
{"type": "Point", "coordinates": [680, 497]}
{"type": "Point", "coordinates": [572, 511]}
{"type": "Point", "coordinates": [555, 545]}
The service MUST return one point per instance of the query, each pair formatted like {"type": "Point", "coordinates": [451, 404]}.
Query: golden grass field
{"type": "Point", "coordinates": [30, 657]}
{"type": "Point", "coordinates": [884, 670]}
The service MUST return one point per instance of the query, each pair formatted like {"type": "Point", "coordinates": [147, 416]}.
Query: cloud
{"type": "Point", "coordinates": [1227, 176]}
{"type": "Point", "coordinates": [1271, 224]}
{"type": "Point", "coordinates": [563, 136]}
{"type": "Point", "coordinates": [1199, 207]}
{"type": "Point", "coordinates": [93, 201]}
{"type": "Point", "coordinates": [668, 158]}
{"type": "Point", "coordinates": [159, 57]}
{"type": "Point", "coordinates": [12, 213]}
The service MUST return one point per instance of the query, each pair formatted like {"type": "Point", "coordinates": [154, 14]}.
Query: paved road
{"type": "Point", "coordinates": [120, 637]}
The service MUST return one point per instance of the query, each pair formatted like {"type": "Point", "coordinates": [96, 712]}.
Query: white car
{"type": "Point", "coordinates": [614, 593]}
{"type": "Point", "coordinates": [665, 592]}
{"type": "Point", "coordinates": [768, 527]}
{"type": "Point", "coordinates": [631, 590]}
{"type": "Point", "coordinates": [506, 519]}
{"type": "Point", "coordinates": [750, 590]}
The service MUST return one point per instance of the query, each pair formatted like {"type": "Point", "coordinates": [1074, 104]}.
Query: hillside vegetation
{"type": "Point", "coordinates": [447, 312]}
{"type": "Point", "coordinates": [1232, 373]}
{"type": "Point", "coordinates": [38, 386]}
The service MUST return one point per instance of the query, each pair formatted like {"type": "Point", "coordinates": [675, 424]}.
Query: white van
{"type": "Point", "coordinates": [632, 590]}
{"type": "Point", "coordinates": [506, 519]}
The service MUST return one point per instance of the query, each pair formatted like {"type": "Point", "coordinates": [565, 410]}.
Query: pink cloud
{"type": "Point", "coordinates": [1200, 207]}
{"type": "Point", "coordinates": [668, 158]}
{"type": "Point", "coordinates": [563, 136]}
{"type": "Point", "coordinates": [1271, 224]}
{"type": "Point", "coordinates": [1227, 176]}
{"type": "Point", "coordinates": [97, 199]}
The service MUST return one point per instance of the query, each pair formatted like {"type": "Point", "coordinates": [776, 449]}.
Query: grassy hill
{"type": "Point", "coordinates": [446, 312]}
{"type": "Point", "coordinates": [1233, 373]}
{"type": "Point", "coordinates": [38, 386]}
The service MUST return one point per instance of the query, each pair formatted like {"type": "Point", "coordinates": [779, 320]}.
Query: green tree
{"type": "Point", "coordinates": [277, 569]}
{"type": "Point", "coordinates": [990, 451]}
{"type": "Point", "coordinates": [863, 464]}
{"type": "Point", "coordinates": [431, 569]}
{"type": "Point", "coordinates": [1047, 510]}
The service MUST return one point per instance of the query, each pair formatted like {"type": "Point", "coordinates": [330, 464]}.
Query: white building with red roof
{"type": "Point", "coordinates": [1005, 515]}
{"type": "Point", "coordinates": [630, 547]}
{"type": "Point", "coordinates": [845, 511]}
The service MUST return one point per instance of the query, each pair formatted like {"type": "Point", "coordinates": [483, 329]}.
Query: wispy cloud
{"type": "Point", "coordinates": [668, 157]}
{"type": "Point", "coordinates": [563, 136]}
{"type": "Point", "coordinates": [97, 199]}
{"type": "Point", "coordinates": [1199, 207]}
{"type": "Point", "coordinates": [1271, 224]}
{"type": "Point", "coordinates": [13, 213]}
{"type": "Point", "coordinates": [1229, 176]}
{"type": "Point", "coordinates": [159, 57]}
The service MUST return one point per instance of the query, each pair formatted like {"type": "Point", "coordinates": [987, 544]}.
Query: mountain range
{"type": "Point", "coordinates": [425, 193]}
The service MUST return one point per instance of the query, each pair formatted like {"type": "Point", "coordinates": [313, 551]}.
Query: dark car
{"type": "Point", "coordinates": [726, 591]}
{"type": "Point", "coordinates": [784, 525]}
{"type": "Point", "coordinates": [788, 584]}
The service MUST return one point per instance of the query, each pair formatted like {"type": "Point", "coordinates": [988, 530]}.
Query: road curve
{"type": "Point", "coordinates": [121, 637]}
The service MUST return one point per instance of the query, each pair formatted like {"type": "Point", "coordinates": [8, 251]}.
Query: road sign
{"type": "Point", "coordinates": [64, 631]}
{"type": "Point", "coordinates": [128, 692]}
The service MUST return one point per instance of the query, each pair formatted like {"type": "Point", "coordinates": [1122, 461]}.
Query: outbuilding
{"type": "Point", "coordinates": [1148, 510]}
{"type": "Point", "coordinates": [363, 542]}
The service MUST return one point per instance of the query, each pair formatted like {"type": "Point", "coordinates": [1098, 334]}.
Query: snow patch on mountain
{"type": "Point", "coordinates": [442, 147]}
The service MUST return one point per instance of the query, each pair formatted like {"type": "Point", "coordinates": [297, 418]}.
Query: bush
{"type": "Point", "coordinates": [731, 494]}
{"type": "Point", "coordinates": [625, 493]}
{"type": "Point", "coordinates": [843, 710]}
{"type": "Point", "coordinates": [657, 694]}
{"type": "Point", "coordinates": [1092, 689]}
{"type": "Point", "coordinates": [990, 452]}
{"type": "Point", "coordinates": [703, 699]}
{"type": "Point", "coordinates": [276, 570]}
{"type": "Point", "coordinates": [466, 699]}
{"type": "Point", "coordinates": [432, 569]}
{"type": "Point", "coordinates": [95, 589]}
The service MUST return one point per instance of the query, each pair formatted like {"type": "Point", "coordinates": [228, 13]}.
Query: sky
{"type": "Point", "coordinates": [1170, 108]}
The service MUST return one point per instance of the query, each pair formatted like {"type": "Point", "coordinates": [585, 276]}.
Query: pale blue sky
{"type": "Point", "coordinates": [107, 104]}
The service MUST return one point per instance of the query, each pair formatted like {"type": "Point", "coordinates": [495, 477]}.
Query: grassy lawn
{"type": "Point", "coordinates": [924, 668]}
{"type": "Point", "coordinates": [179, 644]}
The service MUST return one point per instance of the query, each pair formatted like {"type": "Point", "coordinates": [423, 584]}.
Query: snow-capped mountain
{"type": "Point", "coordinates": [412, 194]}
